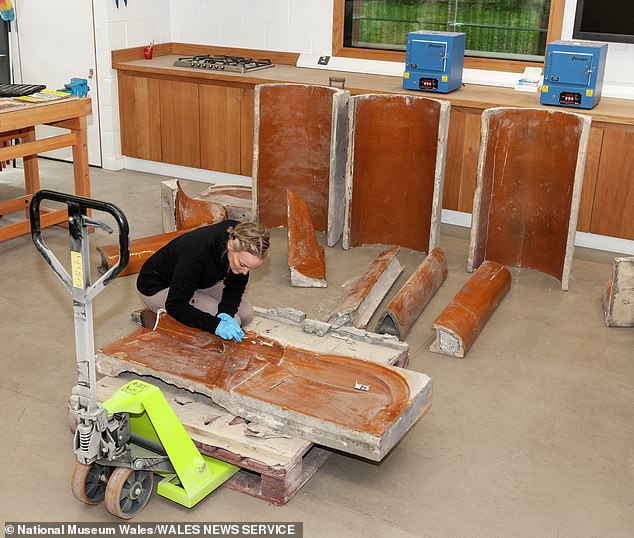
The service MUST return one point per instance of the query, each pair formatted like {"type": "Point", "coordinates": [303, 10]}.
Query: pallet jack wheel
{"type": "Point", "coordinates": [88, 482]}
{"type": "Point", "coordinates": [128, 491]}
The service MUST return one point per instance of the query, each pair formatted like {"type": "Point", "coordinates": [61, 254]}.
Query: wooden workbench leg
{"type": "Point", "coordinates": [80, 159]}
{"type": "Point", "coordinates": [31, 168]}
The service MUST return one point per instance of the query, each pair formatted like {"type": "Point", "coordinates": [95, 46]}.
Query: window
{"type": "Point", "coordinates": [499, 33]}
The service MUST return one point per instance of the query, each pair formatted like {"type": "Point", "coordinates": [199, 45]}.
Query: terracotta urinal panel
{"type": "Point", "coordinates": [140, 250]}
{"type": "Point", "coordinates": [458, 325]}
{"type": "Point", "coordinates": [305, 255]}
{"type": "Point", "coordinates": [261, 379]}
{"type": "Point", "coordinates": [412, 298]}
{"type": "Point", "coordinates": [299, 145]}
{"type": "Point", "coordinates": [528, 189]}
{"type": "Point", "coordinates": [618, 298]}
{"type": "Point", "coordinates": [192, 212]}
{"type": "Point", "coordinates": [357, 307]}
{"type": "Point", "coordinates": [238, 200]}
{"type": "Point", "coordinates": [395, 170]}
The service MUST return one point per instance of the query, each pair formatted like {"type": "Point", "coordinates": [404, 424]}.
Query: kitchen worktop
{"type": "Point", "coordinates": [609, 110]}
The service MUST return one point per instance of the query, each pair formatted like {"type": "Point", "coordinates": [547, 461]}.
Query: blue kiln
{"type": "Point", "coordinates": [573, 73]}
{"type": "Point", "coordinates": [434, 61]}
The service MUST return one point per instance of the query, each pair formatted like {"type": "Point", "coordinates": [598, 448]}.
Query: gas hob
{"type": "Point", "coordinates": [235, 64]}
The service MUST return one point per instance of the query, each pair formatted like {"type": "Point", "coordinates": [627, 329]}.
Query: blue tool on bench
{"type": "Point", "coordinates": [77, 87]}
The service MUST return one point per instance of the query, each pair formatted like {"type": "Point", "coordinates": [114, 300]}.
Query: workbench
{"type": "Point", "coordinates": [19, 123]}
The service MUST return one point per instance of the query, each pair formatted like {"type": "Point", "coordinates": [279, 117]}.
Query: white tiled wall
{"type": "Point", "coordinates": [303, 26]}
{"type": "Point", "coordinates": [280, 25]}
{"type": "Point", "coordinates": [138, 23]}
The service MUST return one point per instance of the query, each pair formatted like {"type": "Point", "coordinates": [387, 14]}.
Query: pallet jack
{"type": "Point", "coordinates": [135, 434]}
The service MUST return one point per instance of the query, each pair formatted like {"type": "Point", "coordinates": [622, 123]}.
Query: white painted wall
{"type": "Point", "coordinates": [303, 26]}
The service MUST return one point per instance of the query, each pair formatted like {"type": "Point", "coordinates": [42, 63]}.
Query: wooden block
{"type": "Point", "coordinates": [140, 250]}
{"type": "Point", "coordinates": [458, 325]}
{"type": "Point", "coordinates": [394, 190]}
{"type": "Point", "coordinates": [300, 137]}
{"type": "Point", "coordinates": [412, 298]}
{"type": "Point", "coordinates": [356, 406]}
{"type": "Point", "coordinates": [618, 298]}
{"type": "Point", "coordinates": [357, 307]}
{"type": "Point", "coordinates": [305, 255]}
{"type": "Point", "coordinates": [526, 203]}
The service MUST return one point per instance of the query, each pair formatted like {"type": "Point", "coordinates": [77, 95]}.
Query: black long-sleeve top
{"type": "Point", "coordinates": [193, 261]}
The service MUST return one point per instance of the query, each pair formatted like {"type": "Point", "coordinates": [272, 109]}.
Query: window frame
{"type": "Point", "coordinates": [555, 22]}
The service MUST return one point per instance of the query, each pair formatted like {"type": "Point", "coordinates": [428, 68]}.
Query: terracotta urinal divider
{"type": "Point", "coordinates": [299, 144]}
{"type": "Point", "coordinates": [359, 407]}
{"type": "Point", "coordinates": [236, 199]}
{"type": "Point", "coordinates": [529, 179]}
{"type": "Point", "coordinates": [366, 294]}
{"type": "Point", "coordinates": [140, 250]}
{"type": "Point", "coordinates": [460, 323]}
{"type": "Point", "coordinates": [395, 170]}
{"type": "Point", "coordinates": [191, 213]}
{"type": "Point", "coordinates": [413, 297]}
{"type": "Point", "coordinates": [618, 297]}
{"type": "Point", "coordinates": [305, 255]}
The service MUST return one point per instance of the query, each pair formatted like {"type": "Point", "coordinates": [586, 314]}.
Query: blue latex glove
{"type": "Point", "coordinates": [228, 328]}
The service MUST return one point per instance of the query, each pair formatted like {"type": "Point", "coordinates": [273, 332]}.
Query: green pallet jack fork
{"type": "Point", "coordinates": [151, 417]}
{"type": "Point", "coordinates": [121, 444]}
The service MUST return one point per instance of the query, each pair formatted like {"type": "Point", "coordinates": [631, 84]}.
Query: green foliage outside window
{"type": "Point", "coordinates": [513, 29]}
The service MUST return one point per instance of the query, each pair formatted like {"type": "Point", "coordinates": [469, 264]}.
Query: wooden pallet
{"type": "Point", "coordinates": [275, 484]}
{"type": "Point", "coordinates": [273, 467]}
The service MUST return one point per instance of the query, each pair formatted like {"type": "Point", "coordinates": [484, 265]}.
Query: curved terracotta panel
{"type": "Point", "coordinates": [140, 250]}
{"type": "Point", "coordinates": [192, 212]}
{"type": "Point", "coordinates": [238, 200]}
{"type": "Point", "coordinates": [528, 191]}
{"type": "Point", "coordinates": [357, 307]}
{"type": "Point", "coordinates": [310, 383]}
{"type": "Point", "coordinates": [395, 169]}
{"type": "Point", "coordinates": [305, 254]}
{"type": "Point", "coordinates": [460, 323]}
{"type": "Point", "coordinates": [294, 150]}
{"type": "Point", "coordinates": [412, 298]}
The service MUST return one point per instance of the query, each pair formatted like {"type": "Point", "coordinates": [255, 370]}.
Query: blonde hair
{"type": "Point", "coordinates": [250, 237]}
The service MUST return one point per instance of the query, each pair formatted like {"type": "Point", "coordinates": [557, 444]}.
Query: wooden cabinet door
{"type": "Point", "coordinates": [461, 166]}
{"type": "Point", "coordinates": [221, 128]}
{"type": "Point", "coordinates": [590, 179]}
{"type": "Point", "coordinates": [180, 138]}
{"type": "Point", "coordinates": [140, 118]}
{"type": "Point", "coordinates": [614, 194]}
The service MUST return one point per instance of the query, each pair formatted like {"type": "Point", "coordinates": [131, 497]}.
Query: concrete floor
{"type": "Point", "coordinates": [530, 436]}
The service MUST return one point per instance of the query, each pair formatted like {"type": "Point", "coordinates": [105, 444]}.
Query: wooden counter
{"type": "Point", "coordinates": [472, 96]}
{"type": "Point", "coordinates": [19, 124]}
{"type": "Point", "coordinates": [204, 119]}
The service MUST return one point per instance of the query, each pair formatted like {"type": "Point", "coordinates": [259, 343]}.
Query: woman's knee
{"type": "Point", "coordinates": [245, 312]}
